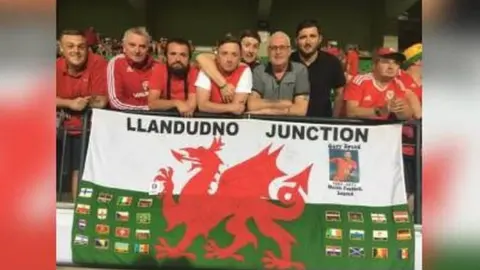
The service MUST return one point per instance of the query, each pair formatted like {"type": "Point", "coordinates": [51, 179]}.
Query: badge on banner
{"type": "Point", "coordinates": [155, 188]}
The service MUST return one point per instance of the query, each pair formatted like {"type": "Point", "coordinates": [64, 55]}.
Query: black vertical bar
{"type": "Point", "coordinates": [418, 172]}
{"type": "Point", "coordinates": [62, 163]}
{"type": "Point", "coordinates": [83, 148]}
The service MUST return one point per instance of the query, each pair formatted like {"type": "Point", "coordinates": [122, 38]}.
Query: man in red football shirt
{"type": "Point", "coordinates": [410, 78]}
{"type": "Point", "coordinates": [81, 82]}
{"type": "Point", "coordinates": [345, 167]}
{"type": "Point", "coordinates": [352, 61]}
{"type": "Point", "coordinates": [209, 96]}
{"type": "Point", "coordinates": [377, 95]}
{"type": "Point", "coordinates": [128, 74]}
{"type": "Point", "coordinates": [172, 85]}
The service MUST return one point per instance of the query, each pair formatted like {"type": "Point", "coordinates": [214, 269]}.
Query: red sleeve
{"type": "Point", "coordinates": [191, 81]}
{"type": "Point", "coordinates": [353, 91]}
{"type": "Point", "coordinates": [157, 79]}
{"type": "Point", "coordinates": [117, 97]}
{"type": "Point", "coordinates": [99, 78]}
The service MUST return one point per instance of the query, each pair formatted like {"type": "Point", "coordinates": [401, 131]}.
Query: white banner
{"type": "Point", "coordinates": [350, 165]}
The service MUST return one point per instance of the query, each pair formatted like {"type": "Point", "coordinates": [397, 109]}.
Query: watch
{"type": "Point", "coordinates": [377, 111]}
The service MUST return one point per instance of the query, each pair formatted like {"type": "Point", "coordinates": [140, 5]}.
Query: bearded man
{"type": "Point", "coordinates": [172, 85]}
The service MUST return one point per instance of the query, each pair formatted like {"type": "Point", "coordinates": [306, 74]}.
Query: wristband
{"type": "Point", "coordinates": [223, 86]}
{"type": "Point", "coordinates": [377, 111]}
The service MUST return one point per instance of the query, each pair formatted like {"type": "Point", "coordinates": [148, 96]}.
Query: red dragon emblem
{"type": "Point", "coordinates": [242, 194]}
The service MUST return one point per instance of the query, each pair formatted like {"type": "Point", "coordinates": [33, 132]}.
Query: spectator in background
{"type": "Point", "coordinates": [325, 71]}
{"type": "Point", "coordinates": [129, 73]}
{"type": "Point", "coordinates": [172, 85]}
{"type": "Point", "coordinates": [410, 78]}
{"type": "Point", "coordinates": [281, 87]}
{"type": "Point", "coordinates": [81, 83]}
{"type": "Point", "coordinates": [352, 61]}
{"type": "Point", "coordinates": [209, 94]}
{"type": "Point", "coordinates": [250, 42]}
{"type": "Point", "coordinates": [92, 38]}
{"type": "Point", "coordinates": [377, 95]}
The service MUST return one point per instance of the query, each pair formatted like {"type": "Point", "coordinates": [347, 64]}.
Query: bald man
{"type": "Point", "coordinates": [280, 87]}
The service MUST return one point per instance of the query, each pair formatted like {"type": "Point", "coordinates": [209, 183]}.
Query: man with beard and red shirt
{"type": "Point", "coordinates": [250, 42]}
{"type": "Point", "coordinates": [128, 74]}
{"type": "Point", "coordinates": [325, 71]}
{"type": "Point", "coordinates": [209, 93]}
{"type": "Point", "coordinates": [81, 83]}
{"type": "Point", "coordinates": [377, 95]}
{"type": "Point", "coordinates": [172, 85]}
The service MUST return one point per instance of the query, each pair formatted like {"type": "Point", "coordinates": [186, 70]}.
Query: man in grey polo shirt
{"type": "Point", "coordinates": [281, 87]}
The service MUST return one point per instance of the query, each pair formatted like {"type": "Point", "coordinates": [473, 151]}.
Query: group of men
{"type": "Point", "coordinates": [232, 81]}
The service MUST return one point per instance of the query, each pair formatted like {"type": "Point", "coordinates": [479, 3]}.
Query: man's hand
{"type": "Point", "coordinates": [96, 102]}
{"type": "Point", "coordinates": [228, 92]}
{"type": "Point", "coordinates": [285, 104]}
{"type": "Point", "coordinates": [398, 106]}
{"type": "Point", "coordinates": [79, 103]}
{"type": "Point", "coordinates": [237, 108]}
{"type": "Point", "coordinates": [184, 109]}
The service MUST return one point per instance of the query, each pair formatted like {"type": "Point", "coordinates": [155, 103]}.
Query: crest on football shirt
{"type": "Point", "coordinates": [390, 94]}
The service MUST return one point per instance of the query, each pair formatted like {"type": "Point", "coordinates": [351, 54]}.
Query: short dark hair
{"type": "Point", "coordinates": [307, 24]}
{"type": "Point", "coordinates": [251, 34]}
{"type": "Point", "coordinates": [229, 39]}
{"type": "Point", "coordinates": [71, 32]}
{"type": "Point", "coordinates": [179, 41]}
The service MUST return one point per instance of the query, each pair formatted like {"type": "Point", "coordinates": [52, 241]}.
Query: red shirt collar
{"type": "Point", "coordinates": [146, 64]}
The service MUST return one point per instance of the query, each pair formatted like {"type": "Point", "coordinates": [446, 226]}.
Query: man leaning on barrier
{"type": "Point", "coordinates": [209, 94]}
{"type": "Point", "coordinates": [172, 85]}
{"type": "Point", "coordinates": [250, 41]}
{"type": "Point", "coordinates": [81, 83]}
{"type": "Point", "coordinates": [377, 95]}
{"type": "Point", "coordinates": [280, 87]}
{"type": "Point", "coordinates": [129, 73]}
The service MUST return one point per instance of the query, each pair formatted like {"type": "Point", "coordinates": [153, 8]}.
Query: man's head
{"type": "Point", "coordinates": [348, 155]}
{"type": "Point", "coordinates": [279, 49]}
{"type": "Point", "coordinates": [73, 46]}
{"type": "Point", "coordinates": [177, 53]}
{"type": "Point", "coordinates": [387, 63]}
{"type": "Point", "coordinates": [250, 41]}
{"type": "Point", "coordinates": [228, 56]}
{"type": "Point", "coordinates": [308, 37]}
{"type": "Point", "coordinates": [413, 58]}
{"type": "Point", "coordinates": [136, 43]}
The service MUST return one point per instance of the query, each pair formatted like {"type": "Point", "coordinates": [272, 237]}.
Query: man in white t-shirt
{"type": "Point", "coordinates": [209, 94]}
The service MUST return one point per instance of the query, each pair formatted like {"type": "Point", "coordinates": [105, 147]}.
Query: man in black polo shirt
{"type": "Point", "coordinates": [324, 70]}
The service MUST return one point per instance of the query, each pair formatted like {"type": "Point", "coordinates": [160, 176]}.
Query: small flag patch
{"type": "Point", "coordinates": [355, 217]}
{"type": "Point", "coordinates": [332, 216]}
{"type": "Point", "coordinates": [356, 252]}
{"type": "Point", "coordinates": [83, 209]}
{"type": "Point", "coordinates": [404, 234]}
{"type": "Point", "coordinates": [122, 232]}
{"type": "Point", "coordinates": [357, 235]}
{"type": "Point", "coordinates": [124, 201]}
{"type": "Point", "coordinates": [334, 233]}
{"type": "Point", "coordinates": [142, 248]}
{"type": "Point", "coordinates": [403, 253]}
{"type": "Point", "coordinates": [401, 217]}
{"type": "Point", "coordinates": [121, 247]}
{"type": "Point", "coordinates": [380, 235]}
{"type": "Point", "coordinates": [80, 239]}
{"type": "Point", "coordinates": [143, 218]}
{"type": "Point", "coordinates": [378, 218]}
{"type": "Point", "coordinates": [145, 203]}
{"type": "Point", "coordinates": [380, 253]}
{"type": "Point", "coordinates": [82, 224]}
{"type": "Point", "coordinates": [102, 213]}
{"type": "Point", "coordinates": [104, 197]}
{"type": "Point", "coordinates": [101, 243]}
{"type": "Point", "coordinates": [333, 251]}
{"type": "Point", "coordinates": [102, 229]}
{"type": "Point", "coordinates": [85, 193]}
{"type": "Point", "coordinates": [142, 234]}
{"type": "Point", "coordinates": [121, 216]}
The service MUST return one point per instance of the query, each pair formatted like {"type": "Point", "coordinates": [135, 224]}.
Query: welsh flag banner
{"type": "Point", "coordinates": [241, 194]}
